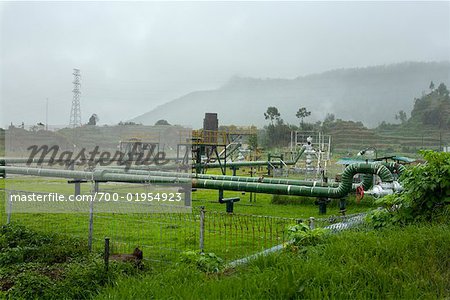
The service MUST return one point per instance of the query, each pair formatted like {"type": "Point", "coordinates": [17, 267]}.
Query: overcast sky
{"type": "Point", "coordinates": [135, 56]}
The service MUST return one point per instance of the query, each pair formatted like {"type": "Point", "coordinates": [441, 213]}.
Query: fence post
{"type": "Point", "coordinates": [188, 198]}
{"type": "Point", "coordinates": [77, 187]}
{"type": "Point", "coordinates": [9, 211]}
{"type": "Point", "coordinates": [202, 228]}
{"type": "Point", "coordinates": [106, 254]}
{"type": "Point", "coordinates": [91, 217]}
{"type": "Point", "coordinates": [311, 222]}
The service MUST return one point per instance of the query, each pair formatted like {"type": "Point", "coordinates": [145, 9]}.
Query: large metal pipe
{"type": "Point", "coordinates": [367, 179]}
{"type": "Point", "coordinates": [395, 167]}
{"type": "Point", "coordinates": [345, 186]}
{"type": "Point", "coordinates": [99, 175]}
{"type": "Point", "coordinates": [21, 160]}
{"type": "Point", "coordinates": [224, 177]}
{"type": "Point", "coordinates": [235, 164]}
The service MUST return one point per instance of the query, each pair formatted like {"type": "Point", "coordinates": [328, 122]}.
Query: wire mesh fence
{"type": "Point", "coordinates": [163, 235]}
{"type": "Point", "coordinates": [391, 140]}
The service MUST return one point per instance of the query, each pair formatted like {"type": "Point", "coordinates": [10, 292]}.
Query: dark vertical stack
{"type": "Point", "coordinates": [210, 131]}
{"type": "Point", "coordinates": [210, 122]}
{"type": "Point", "coordinates": [210, 128]}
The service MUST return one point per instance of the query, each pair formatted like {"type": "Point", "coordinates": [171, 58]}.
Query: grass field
{"type": "Point", "coordinates": [255, 226]}
{"type": "Point", "coordinates": [398, 263]}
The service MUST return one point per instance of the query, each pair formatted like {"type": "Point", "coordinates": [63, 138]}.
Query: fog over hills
{"type": "Point", "coordinates": [370, 94]}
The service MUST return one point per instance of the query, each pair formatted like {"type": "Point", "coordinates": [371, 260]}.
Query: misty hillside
{"type": "Point", "coordinates": [370, 95]}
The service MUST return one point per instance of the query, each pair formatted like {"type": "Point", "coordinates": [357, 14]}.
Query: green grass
{"type": "Point", "coordinates": [254, 226]}
{"type": "Point", "coordinates": [398, 263]}
{"type": "Point", "coordinates": [394, 263]}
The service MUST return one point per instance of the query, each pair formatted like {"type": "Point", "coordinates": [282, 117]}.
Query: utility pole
{"type": "Point", "coordinates": [46, 115]}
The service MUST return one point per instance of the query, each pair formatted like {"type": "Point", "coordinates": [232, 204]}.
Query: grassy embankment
{"type": "Point", "coordinates": [396, 263]}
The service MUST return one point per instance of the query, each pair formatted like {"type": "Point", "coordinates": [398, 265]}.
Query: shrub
{"type": "Point", "coordinates": [49, 266]}
{"type": "Point", "coordinates": [426, 193]}
{"type": "Point", "coordinates": [301, 236]}
{"type": "Point", "coordinates": [31, 285]}
{"type": "Point", "coordinates": [206, 262]}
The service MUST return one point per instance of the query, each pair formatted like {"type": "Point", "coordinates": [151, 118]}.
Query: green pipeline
{"type": "Point", "coordinates": [367, 179]}
{"type": "Point", "coordinates": [345, 186]}
{"type": "Point", "coordinates": [225, 177]}
{"type": "Point", "coordinates": [394, 167]}
{"type": "Point", "coordinates": [208, 165]}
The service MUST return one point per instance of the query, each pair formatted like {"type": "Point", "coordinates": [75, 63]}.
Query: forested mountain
{"type": "Point", "coordinates": [370, 95]}
{"type": "Point", "coordinates": [433, 108]}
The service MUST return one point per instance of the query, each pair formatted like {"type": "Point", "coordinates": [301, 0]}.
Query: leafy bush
{"type": "Point", "coordinates": [31, 285]}
{"type": "Point", "coordinates": [19, 244]}
{"type": "Point", "coordinates": [425, 197]}
{"type": "Point", "coordinates": [49, 266]}
{"type": "Point", "coordinates": [206, 262]}
{"type": "Point", "coordinates": [381, 218]}
{"type": "Point", "coordinates": [302, 236]}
